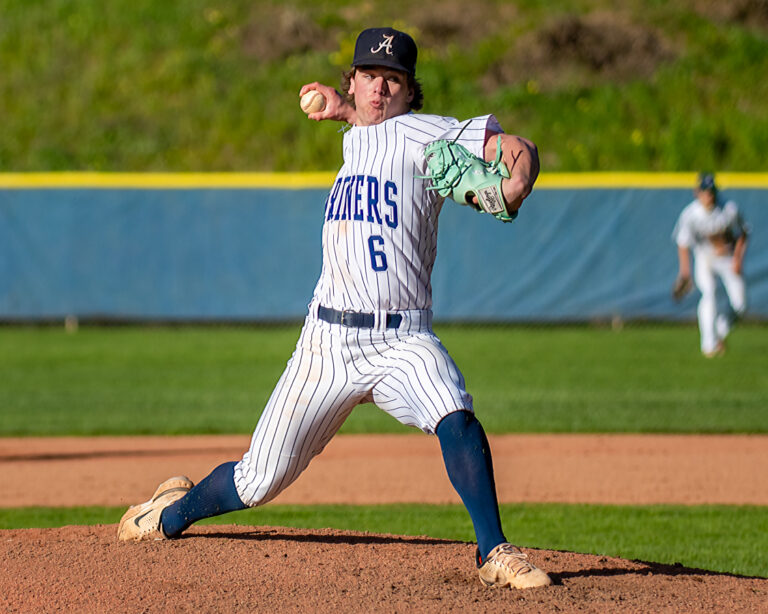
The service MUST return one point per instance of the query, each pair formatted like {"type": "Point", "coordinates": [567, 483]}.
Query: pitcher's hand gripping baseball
{"type": "Point", "coordinates": [321, 102]}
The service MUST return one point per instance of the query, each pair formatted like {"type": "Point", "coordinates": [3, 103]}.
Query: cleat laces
{"type": "Point", "coordinates": [511, 558]}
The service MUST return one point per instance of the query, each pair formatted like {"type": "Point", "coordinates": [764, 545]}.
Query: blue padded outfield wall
{"type": "Point", "coordinates": [577, 252]}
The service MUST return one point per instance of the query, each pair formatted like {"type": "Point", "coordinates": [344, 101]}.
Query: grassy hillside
{"type": "Point", "coordinates": [205, 85]}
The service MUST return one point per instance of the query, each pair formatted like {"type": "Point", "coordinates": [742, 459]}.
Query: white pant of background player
{"type": "Point", "coordinates": [715, 325]}
{"type": "Point", "coordinates": [405, 371]}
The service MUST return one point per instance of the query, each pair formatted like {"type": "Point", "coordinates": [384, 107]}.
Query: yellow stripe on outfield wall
{"type": "Point", "coordinates": [165, 180]}
{"type": "Point", "coordinates": [646, 180]}
{"type": "Point", "coordinates": [564, 181]}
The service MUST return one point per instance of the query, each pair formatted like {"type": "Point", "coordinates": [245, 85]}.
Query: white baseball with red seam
{"type": "Point", "coordinates": [312, 102]}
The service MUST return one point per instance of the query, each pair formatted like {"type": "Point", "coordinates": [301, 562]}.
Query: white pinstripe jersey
{"type": "Point", "coordinates": [380, 230]}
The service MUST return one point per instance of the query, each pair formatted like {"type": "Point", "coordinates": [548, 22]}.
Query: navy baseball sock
{"type": "Point", "coordinates": [215, 494]}
{"type": "Point", "coordinates": [467, 457]}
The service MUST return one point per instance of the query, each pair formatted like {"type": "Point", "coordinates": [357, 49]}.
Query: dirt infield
{"type": "Point", "coordinates": [358, 469]}
{"type": "Point", "coordinates": [248, 569]}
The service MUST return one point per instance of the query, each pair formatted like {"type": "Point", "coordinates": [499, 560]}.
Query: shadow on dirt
{"type": "Point", "coordinates": [236, 452]}
{"type": "Point", "coordinates": [336, 538]}
{"type": "Point", "coordinates": [649, 569]}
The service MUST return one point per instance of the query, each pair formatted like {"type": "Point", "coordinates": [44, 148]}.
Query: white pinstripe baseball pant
{"type": "Point", "coordinates": [405, 371]}
{"type": "Point", "coordinates": [714, 326]}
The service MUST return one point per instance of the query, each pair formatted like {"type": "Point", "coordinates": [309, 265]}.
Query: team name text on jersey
{"type": "Point", "coordinates": [359, 198]}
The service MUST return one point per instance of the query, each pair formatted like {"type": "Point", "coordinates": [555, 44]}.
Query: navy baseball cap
{"type": "Point", "coordinates": [385, 47]}
{"type": "Point", "coordinates": [707, 182]}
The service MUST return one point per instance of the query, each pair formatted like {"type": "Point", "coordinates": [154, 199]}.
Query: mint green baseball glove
{"type": "Point", "coordinates": [459, 175]}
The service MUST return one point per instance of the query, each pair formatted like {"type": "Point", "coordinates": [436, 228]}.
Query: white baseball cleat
{"type": "Point", "coordinates": [506, 565]}
{"type": "Point", "coordinates": [142, 522]}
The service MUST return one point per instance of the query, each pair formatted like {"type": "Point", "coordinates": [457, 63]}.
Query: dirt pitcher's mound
{"type": "Point", "coordinates": [271, 569]}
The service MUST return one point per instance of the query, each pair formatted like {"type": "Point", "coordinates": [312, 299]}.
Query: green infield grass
{"type": "Point", "coordinates": [174, 380]}
{"type": "Point", "coordinates": [730, 539]}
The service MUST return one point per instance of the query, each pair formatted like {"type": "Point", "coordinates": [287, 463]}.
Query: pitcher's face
{"type": "Point", "coordinates": [380, 93]}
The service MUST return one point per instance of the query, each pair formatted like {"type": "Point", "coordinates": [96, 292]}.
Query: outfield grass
{"type": "Point", "coordinates": [172, 380]}
{"type": "Point", "coordinates": [731, 539]}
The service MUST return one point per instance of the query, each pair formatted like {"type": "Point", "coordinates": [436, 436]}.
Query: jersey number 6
{"type": "Point", "coordinates": [378, 257]}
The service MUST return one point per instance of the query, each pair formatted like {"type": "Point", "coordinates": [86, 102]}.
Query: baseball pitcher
{"type": "Point", "coordinates": [368, 332]}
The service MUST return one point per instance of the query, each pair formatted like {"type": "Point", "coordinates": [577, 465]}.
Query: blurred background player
{"type": "Point", "coordinates": [713, 228]}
